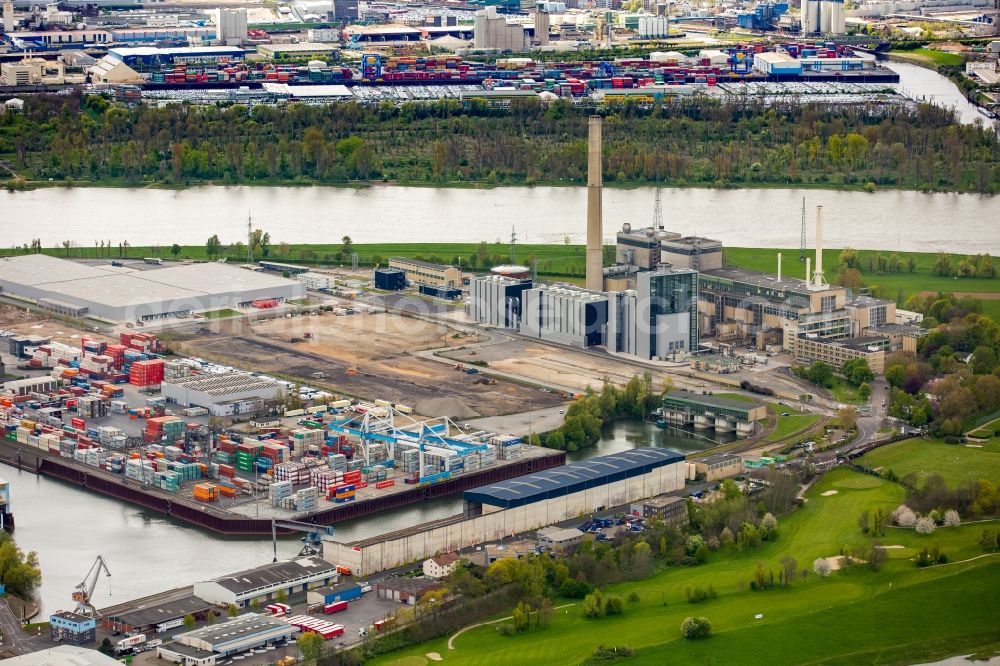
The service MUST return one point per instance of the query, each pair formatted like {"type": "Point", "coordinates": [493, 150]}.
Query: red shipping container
{"type": "Point", "coordinates": [79, 424]}
{"type": "Point", "coordinates": [385, 484]}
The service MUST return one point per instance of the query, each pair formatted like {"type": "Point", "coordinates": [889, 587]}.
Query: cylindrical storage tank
{"type": "Point", "coordinates": [826, 17]}
{"type": "Point", "coordinates": [840, 19]}
{"type": "Point", "coordinates": [512, 271]}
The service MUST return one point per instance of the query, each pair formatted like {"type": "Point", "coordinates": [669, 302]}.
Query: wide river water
{"type": "Point", "coordinates": [68, 527]}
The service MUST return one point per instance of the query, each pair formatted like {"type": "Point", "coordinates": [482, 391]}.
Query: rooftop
{"type": "Point", "coordinates": [865, 302]}
{"type": "Point", "coordinates": [720, 458]}
{"type": "Point", "coordinates": [187, 650]}
{"type": "Point", "coordinates": [660, 502]}
{"type": "Point", "coordinates": [334, 589]}
{"type": "Point", "coordinates": [697, 241]}
{"type": "Point", "coordinates": [72, 617]}
{"type": "Point", "coordinates": [231, 382]}
{"type": "Point", "coordinates": [444, 559]}
{"type": "Point", "coordinates": [245, 625]}
{"type": "Point", "coordinates": [712, 400]}
{"type": "Point", "coordinates": [151, 614]}
{"type": "Point", "coordinates": [904, 329]}
{"type": "Point", "coordinates": [124, 51]}
{"type": "Point", "coordinates": [277, 573]}
{"type": "Point", "coordinates": [764, 280]}
{"type": "Point", "coordinates": [63, 655]}
{"type": "Point", "coordinates": [424, 264]}
{"type": "Point", "coordinates": [559, 533]}
{"type": "Point", "coordinates": [572, 478]}
{"type": "Point", "coordinates": [861, 344]}
{"type": "Point", "coordinates": [411, 585]}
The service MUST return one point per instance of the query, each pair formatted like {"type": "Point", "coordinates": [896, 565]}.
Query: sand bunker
{"type": "Point", "coordinates": [828, 493]}
{"type": "Point", "coordinates": [433, 656]}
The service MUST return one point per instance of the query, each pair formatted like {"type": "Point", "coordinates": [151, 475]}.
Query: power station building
{"type": "Point", "coordinates": [659, 318]}
{"type": "Point", "coordinates": [496, 300]}
{"type": "Point", "coordinates": [708, 411]}
{"type": "Point", "coordinates": [521, 505]}
{"type": "Point", "coordinates": [565, 315]}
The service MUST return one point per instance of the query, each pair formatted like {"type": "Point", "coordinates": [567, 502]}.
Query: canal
{"type": "Point", "coordinates": [68, 527]}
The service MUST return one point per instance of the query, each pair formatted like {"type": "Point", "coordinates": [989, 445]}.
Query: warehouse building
{"type": "Point", "coordinates": [156, 617]}
{"type": "Point", "coordinates": [873, 349]}
{"type": "Point", "coordinates": [209, 645]}
{"type": "Point", "coordinates": [31, 385]}
{"type": "Point", "coordinates": [63, 655]}
{"type": "Point", "coordinates": [559, 538]}
{"type": "Point", "coordinates": [334, 593]}
{"type": "Point", "coordinates": [116, 294]}
{"type": "Point", "coordinates": [719, 466]}
{"type": "Point", "coordinates": [390, 279]}
{"type": "Point", "coordinates": [262, 583]}
{"type": "Point", "coordinates": [423, 272]}
{"type": "Point", "coordinates": [522, 504]}
{"type": "Point", "coordinates": [658, 319]}
{"type": "Point", "coordinates": [278, 267]}
{"type": "Point", "coordinates": [230, 394]}
{"type": "Point", "coordinates": [709, 411]}
{"type": "Point", "coordinates": [565, 315]}
{"type": "Point", "coordinates": [496, 300]}
{"type": "Point", "coordinates": [406, 590]}
{"type": "Point", "coordinates": [301, 49]}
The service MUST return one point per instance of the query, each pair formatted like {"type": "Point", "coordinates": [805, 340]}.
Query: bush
{"type": "Point", "coordinates": [904, 516]}
{"type": "Point", "coordinates": [614, 605]}
{"type": "Point", "coordinates": [822, 567]}
{"type": "Point", "coordinates": [633, 597]}
{"type": "Point", "coordinates": [616, 653]}
{"type": "Point", "coordinates": [951, 518]}
{"type": "Point", "coordinates": [574, 589]}
{"type": "Point", "coordinates": [694, 628]}
{"type": "Point", "coordinates": [506, 629]}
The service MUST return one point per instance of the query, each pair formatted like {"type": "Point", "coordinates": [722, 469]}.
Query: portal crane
{"type": "Point", "coordinates": [85, 589]}
{"type": "Point", "coordinates": [312, 542]}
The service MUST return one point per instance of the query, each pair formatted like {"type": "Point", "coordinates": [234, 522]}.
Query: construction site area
{"type": "Point", "coordinates": [325, 351]}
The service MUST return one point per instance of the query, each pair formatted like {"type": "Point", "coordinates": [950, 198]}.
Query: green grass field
{"type": "Point", "coordinates": [219, 314]}
{"type": "Point", "coordinates": [939, 57]}
{"type": "Point", "coordinates": [939, 610]}
{"type": "Point", "coordinates": [957, 463]}
{"type": "Point", "coordinates": [789, 424]}
{"type": "Point", "coordinates": [844, 392]}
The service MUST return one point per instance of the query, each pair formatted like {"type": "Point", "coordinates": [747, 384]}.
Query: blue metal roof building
{"type": "Point", "coordinates": [572, 478]}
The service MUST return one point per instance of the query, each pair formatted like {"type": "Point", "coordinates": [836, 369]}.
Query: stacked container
{"type": "Point", "coordinates": [206, 492]}
{"type": "Point", "coordinates": [278, 491]}
{"type": "Point", "coordinates": [307, 499]}
{"type": "Point", "coordinates": [146, 373]}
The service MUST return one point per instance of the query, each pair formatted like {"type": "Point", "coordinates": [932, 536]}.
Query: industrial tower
{"type": "Point", "coordinates": [595, 184]}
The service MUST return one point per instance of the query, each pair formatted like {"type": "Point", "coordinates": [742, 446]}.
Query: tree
{"type": "Point", "coordinates": [942, 265]}
{"type": "Point", "coordinates": [346, 248]}
{"type": "Point", "coordinates": [211, 617]}
{"type": "Point", "coordinates": [849, 258]}
{"type": "Point", "coordinates": [311, 646]}
{"type": "Point", "coordinates": [821, 566]}
{"type": "Point", "coordinates": [19, 571]}
{"type": "Point", "coordinates": [877, 557]}
{"type": "Point", "coordinates": [281, 596]}
{"type": "Point", "coordinates": [189, 621]}
{"type": "Point", "coordinates": [924, 525]}
{"type": "Point", "coordinates": [254, 605]}
{"type": "Point", "coordinates": [865, 391]}
{"type": "Point", "coordinates": [951, 518]}
{"type": "Point", "coordinates": [614, 605]}
{"type": "Point", "coordinates": [848, 417]}
{"type": "Point", "coordinates": [789, 569]}
{"type": "Point", "coordinates": [864, 522]}
{"type": "Point", "coordinates": [857, 371]}
{"type": "Point", "coordinates": [904, 516]}
{"type": "Point", "coordinates": [593, 605]}
{"type": "Point", "coordinates": [213, 246]}
{"type": "Point", "coordinates": [694, 628]}
{"type": "Point", "coordinates": [769, 522]}
{"type": "Point", "coordinates": [106, 647]}
{"type": "Point", "coordinates": [232, 611]}
{"type": "Point", "coordinates": [175, 250]}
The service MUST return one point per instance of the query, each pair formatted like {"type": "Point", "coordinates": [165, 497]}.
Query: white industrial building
{"type": "Point", "coordinates": [232, 638]}
{"type": "Point", "coordinates": [496, 300]}
{"type": "Point", "coordinates": [824, 16]}
{"type": "Point", "coordinates": [232, 26]}
{"type": "Point", "coordinates": [115, 293]}
{"type": "Point", "coordinates": [565, 315]}
{"type": "Point", "coordinates": [316, 281]}
{"type": "Point", "coordinates": [230, 394]}
{"type": "Point", "coordinates": [522, 504]}
{"type": "Point", "coordinates": [262, 583]}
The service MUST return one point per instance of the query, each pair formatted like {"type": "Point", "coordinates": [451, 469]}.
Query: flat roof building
{"type": "Point", "coordinates": [658, 319]}
{"type": "Point", "coordinates": [834, 352]}
{"type": "Point", "coordinates": [694, 252]}
{"type": "Point", "coordinates": [670, 509]}
{"type": "Point", "coordinates": [223, 394]}
{"type": "Point", "coordinates": [406, 590]}
{"type": "Point", "coordinates": [74, 628]}
{"type": "Point", "coordinates": [151, 617]}
{"type": "Point", "coordinates": [496, 300]}
{"type": "Point", "coordinates": [63, 655]}
{"type": "Point", "coordinates": [564, 315]}
{"type": "Point", "coordinates": [719, 466]}
{"type": "Point", "coordinates": [262, 583]}
{"type": "Point", "coordinates": [709, 411]}
{"type": "Point", "coordinates": [300, 49]}
{"type": "Point", "coordinates": [424, 272]}
{"type": "Point", "coordinates": [112, 294]}
{"type": "Point", "coordinates": [233, 637]}
{"type": "Point", "coordinates": [557, 538]}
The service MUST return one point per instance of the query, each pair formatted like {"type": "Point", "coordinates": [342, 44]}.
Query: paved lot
{"type": "Point", "coordinates": [538, 420]}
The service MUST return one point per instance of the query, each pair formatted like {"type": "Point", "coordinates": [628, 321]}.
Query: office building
{"type": "Point", "coordinates": [565, 315]}
{"type": "Point", "coordinates": [873, 349]}
{"type": "Point", "coordinates": [668, 508]}
{"type": "Point", "coordinates": [496, 300]}
{"type": "Point", "coordinates": [492, 32]}
{"type": "Point", "coordinates": [719, 466]}
{"type": "Point", "coordinates": [67, 627]}
{"type": "Point", "coordinates": [423, 272]}
{"type": "Point", "coordinates": [233, 26]}
{"type": "Point", "coordinates": [658, 319]}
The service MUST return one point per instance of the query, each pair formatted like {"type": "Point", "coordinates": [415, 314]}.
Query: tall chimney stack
{"type": "Point", "coordinates": [808, 277]}
{"type": "Point", "coordinates": [8, 16]}
{"type": "Point", "coordinates": [595, 184]}
{"type": "Point", "coordinates": [818, 280]}
{"type": "Point", "coordinates": [779, 267]}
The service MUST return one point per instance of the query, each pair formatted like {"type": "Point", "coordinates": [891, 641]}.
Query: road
{"type": "Point", "coordinates": [14, 639]}
{"type": "Point", "coordinates": [868, 426]}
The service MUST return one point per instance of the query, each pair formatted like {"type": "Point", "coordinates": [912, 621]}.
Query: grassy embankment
{"type": "Point", "coordinates": [956, 463]}
{"type": "Point", "coordinates": [935, 612]}
{"type": "Point", "coordinates": [929, 57]}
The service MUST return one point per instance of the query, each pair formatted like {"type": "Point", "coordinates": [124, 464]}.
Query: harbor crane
{"type": "Point", "coordinates": [312, 541]}
{"type": "Point", "coordinates": [85, 589]}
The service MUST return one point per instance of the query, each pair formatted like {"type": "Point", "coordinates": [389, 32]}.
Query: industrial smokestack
{"type": "Point", "coordinates": [779, 267]}
{"type": "Point", "coordinates": [818, 275]}
{"type": "Point", "coordinates": [808, 265]}
{"type": "Point", "coordinates": [8, 16]}
{"type": "Point", "coordinates": [595, 183]}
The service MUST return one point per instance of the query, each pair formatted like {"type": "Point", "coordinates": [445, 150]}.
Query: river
{"type": "Point", "coordinates": [68, 527]}
{"type": "Point", "coordinates": [926, 85]}
{"type": "Point", "coordinates": [886, 220]}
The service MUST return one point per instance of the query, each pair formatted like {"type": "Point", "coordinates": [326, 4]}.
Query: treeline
{"type": "Point", "coordinates": [586, 416]}
{"type": "Point", "coordinates": [19, 571]}
{"type": "Point", "coordinates": [697, 141]}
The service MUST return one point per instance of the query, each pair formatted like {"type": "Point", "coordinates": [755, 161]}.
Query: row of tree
{"type": "Point", "coordinates": [703, 140]}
